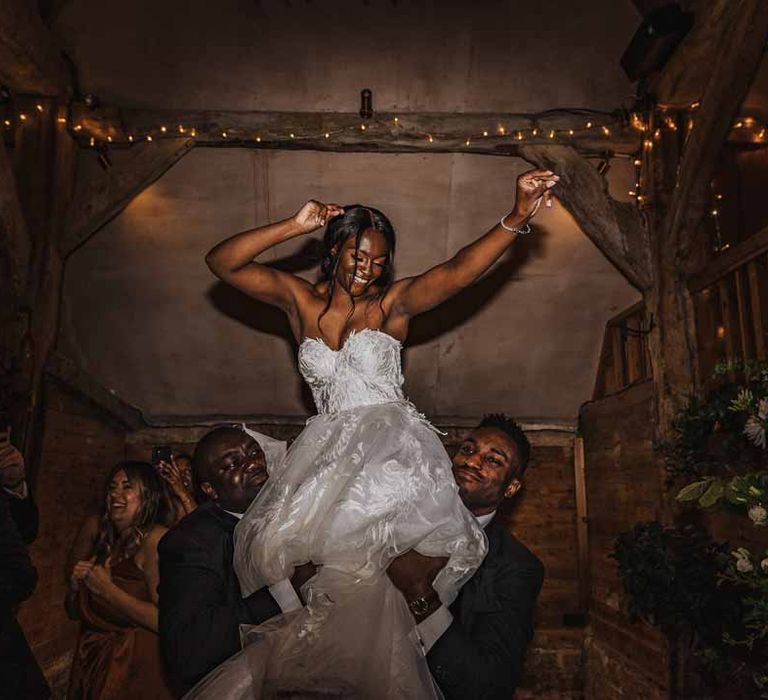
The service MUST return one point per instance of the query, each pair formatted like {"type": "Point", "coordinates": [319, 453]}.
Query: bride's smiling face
{"type": "Point", "coordinates": [358, 270]}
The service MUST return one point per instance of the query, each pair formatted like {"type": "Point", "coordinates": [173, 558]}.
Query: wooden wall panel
{"type": "Point", "coordinates": [624, 484]}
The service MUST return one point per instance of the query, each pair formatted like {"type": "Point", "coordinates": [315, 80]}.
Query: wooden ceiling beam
{"type": "Point", "coordinates": [689, 70]}
{"type": "Point", "coordinates": [493, 133]}
{"type": "Point", "coordinates": [616, 228]}
{"type": "Point", "coordinates": [15, 242]}
{"type": "Point", "coordinates": [30, 59]}
{"type": "Point", "coordinates": [101, 194]}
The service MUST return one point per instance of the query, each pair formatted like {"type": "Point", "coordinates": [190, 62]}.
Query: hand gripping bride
{"type": "Point", "coordinates": [368, 478]}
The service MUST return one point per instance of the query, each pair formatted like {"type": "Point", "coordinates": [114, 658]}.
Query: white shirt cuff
{"type": "Point", "coordinates": [20, 491]}
{"type": "Point", "coordinates": [285, 596]}
{"type": "Point", "coordinates": [431, 629]}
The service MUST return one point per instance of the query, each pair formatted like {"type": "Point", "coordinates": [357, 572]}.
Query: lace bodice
{"type": "Point", "coordinates": [365, 371]}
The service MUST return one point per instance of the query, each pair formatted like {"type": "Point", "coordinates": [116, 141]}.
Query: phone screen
{"type": "Point", "coordinates": [161, 453]}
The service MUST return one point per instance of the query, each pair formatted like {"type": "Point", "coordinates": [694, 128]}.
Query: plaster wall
{"type": "Point", "coordinates": [145, 316]}
{"type": "Point", "coordinates": [142, 312]}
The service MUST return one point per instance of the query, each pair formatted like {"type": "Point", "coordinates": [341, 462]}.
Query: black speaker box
{"type": "Point", "coordinates": [655, 41]}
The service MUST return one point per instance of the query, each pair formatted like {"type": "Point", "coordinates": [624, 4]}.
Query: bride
{"type": "Point", "coordinates": [368, 479]}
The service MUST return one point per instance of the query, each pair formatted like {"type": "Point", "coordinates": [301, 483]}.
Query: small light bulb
{"type": "Point", "coordinates": [552, 134]}
{"type": "Point", "coordinates": [589, 125]}
{"type": "Point", "coordinates": [7, 122]}
{"type": "Point", "coordinates": [396, 120]}
{"type": "Point", "coordinates": [648, 144]}
{"type": "Point", "coordinates": [130, 138]}
{"type": "Point", "coordinates": [632, 193]}
{"type": "Point", "coordinates": [109, 138]}
{"type": "Point", "coordinates": [749, 121]}
{"type": "Point", "coordinates": [39, 107]}
{"type": "Point", "coordinates": [640, 198]}
{"type": "Point", "coordinates": [327, 135]}
{"type": "Point", "coordinates": [638, 162]}
{"type": "Point", "coordinates": [61, 120]}
{"type": "Point", "coordinates": [292, 136]}
{"type": "Point", "coordinates": [362, 127]}
{"type": "Point", "coordinates": [78, 127]}
{"type": "Point", "coordinates": [181, 129]}
{"type": "Point", "coordinates": [224, 134]}
{"type": "Point", "coordinates": [149, 138]}
{"type": "Point", "coordinates": [23, 117]}
{"type": "Point", "coordinates": [570, 132]}
{"type": "Point", "coordinates": [485, 133]}
{"type": "Point", "coordinates": [502, 130]}
{"type": "Point", "coordinates": [718, 196]}
{"type": "Point", "coordinates": [92, 141]}
{"type": "Point", "coordinates": [163, 129]}
{"type": "Point", "coordinates": [534, 132]}
{"type": "Point", "coordinates": [695, 105]}
{"type": "Point", "coordinates": [606, 131]}
{"type": "Point", "coordinates": [714, 212]}
{"type": "Point", "coordinates": [430, 138]}
{"type": "Point", "coordinates": [467, 142]}
{"type": "Point", "coordinates": [193, 132]}
{"type": "Point", "coordinates": [519, 135]}
{"type": "Point", "coordinates": [258, 139]}
{"type": "Point", "coordinates": [738, 125]}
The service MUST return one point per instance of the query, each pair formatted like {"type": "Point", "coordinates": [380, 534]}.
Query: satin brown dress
{"type": "Point", "coordinates": [115, 658]}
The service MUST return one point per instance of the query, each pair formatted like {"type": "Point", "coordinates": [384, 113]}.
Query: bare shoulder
{"type": "Point", "coordinates": [149, 543]}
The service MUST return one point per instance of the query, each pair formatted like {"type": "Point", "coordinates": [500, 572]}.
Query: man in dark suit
{"type": "Point", "coordinates": [476, 649]}
{"type": "Point", "coordinates": [201, 608]}
{"type": "Point", "coordinates": [20, 675]}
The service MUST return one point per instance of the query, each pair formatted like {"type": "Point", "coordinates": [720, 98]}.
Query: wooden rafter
{"type": "Point", "coordinates": [493, 133]}
{"type": "Point", "coordinates": [100, 195]}
{"type": "Point", "coordinates": [689, 70]}
{"type": "Point", "coordinates": [14, 236]}
{"type": "Point", "coordinates": [616, 228]}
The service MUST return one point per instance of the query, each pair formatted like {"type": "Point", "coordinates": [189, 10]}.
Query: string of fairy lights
{"type": "Point", "coordinates": [649, 126]}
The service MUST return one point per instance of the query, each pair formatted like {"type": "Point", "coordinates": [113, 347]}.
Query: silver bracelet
{"type": "Point", "coordinates": [521, 230]}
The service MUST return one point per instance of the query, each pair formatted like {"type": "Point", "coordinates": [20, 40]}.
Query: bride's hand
{"type": "Point", "coordinates": [315, 214]}
{"type": "Point", "coordinates": [532, 186]}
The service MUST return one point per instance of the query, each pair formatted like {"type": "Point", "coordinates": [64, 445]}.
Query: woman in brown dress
{"type": "Point", "coordinates": [118, 652]}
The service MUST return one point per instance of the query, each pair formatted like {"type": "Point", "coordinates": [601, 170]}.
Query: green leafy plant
{"type": "Point", "coordinates": [709, 602]}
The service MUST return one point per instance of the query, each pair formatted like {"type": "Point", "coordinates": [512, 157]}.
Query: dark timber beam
{"type": "Point", "coordinates": [15, 243]}
{"type": "Point", "coordinates": [66, 371]}
{"type": "Point", "coordinates": [678, 247]}
{"type": "Point", "coordinates": [616, 228]}
{"type": "Point", "coordinates": [101, 194]}
{"type": "Point", "coordinates": [690, 69]}
{"type": "Point", "coordinates": [495, 134]}
{"type": "Point", "coordinates": [30, 61]}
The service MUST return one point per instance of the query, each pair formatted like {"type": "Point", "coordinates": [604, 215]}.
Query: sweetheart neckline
{"type": "Point", "coordinates": [354, 332]}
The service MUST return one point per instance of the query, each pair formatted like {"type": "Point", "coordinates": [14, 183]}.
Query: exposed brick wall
{"type": "Point", "coordinates": [543, 516]}
{"type": "Point", "coordinates": [80, 444]}
{"type": "Point", "coordinates": [624, 486]}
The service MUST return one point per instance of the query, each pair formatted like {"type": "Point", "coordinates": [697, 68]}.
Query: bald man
{"type": "Point", "coordinates": [201, 608]}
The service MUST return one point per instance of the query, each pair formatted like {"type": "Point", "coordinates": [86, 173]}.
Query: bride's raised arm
{"type": "Point", "coordinates": [233, 260]}
{"type": "Point", "coordinates": [415, 295]}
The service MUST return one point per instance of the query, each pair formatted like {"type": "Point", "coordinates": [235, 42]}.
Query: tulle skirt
{"type": "Point", "coordinates": [356, 489]}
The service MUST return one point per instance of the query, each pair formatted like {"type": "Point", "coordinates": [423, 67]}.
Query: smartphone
{"type": "Point", "coordinates": [161, 453]}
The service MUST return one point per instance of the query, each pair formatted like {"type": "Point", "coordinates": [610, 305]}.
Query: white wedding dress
{"type": "Point", "coordinates": [366, 480]}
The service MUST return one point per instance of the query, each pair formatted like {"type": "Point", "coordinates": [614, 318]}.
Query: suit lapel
{"type": "Point", "coordinates": [479, 595]}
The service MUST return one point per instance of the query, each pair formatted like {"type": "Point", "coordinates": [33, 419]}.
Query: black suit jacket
{"type": "Point", "coordinates": [201, 608]}
{"type": "Point", "coordinates": [20, 676]}
{"type": "Point", "coordinates": [480, 656]}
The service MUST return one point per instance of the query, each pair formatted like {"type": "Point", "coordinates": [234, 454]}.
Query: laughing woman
{"type": "Point", "coordinates": [118, 653]}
